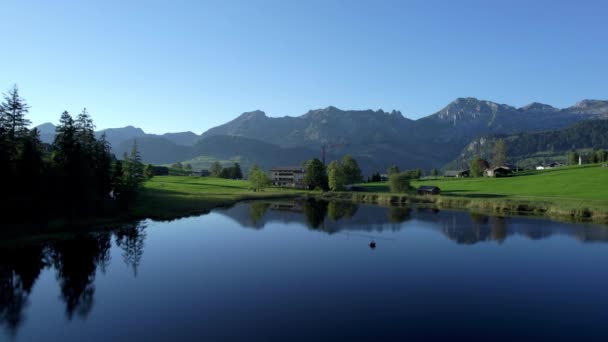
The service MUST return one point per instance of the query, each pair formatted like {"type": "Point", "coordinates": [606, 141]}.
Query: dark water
{"type": "Point", "coordinates": [262, 271]}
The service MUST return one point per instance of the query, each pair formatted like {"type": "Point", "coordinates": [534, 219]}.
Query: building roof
{"type": "Point", "coordinates": [506, 168]}
{"type": "Point", "coordinates": [455, 172]}
{"type": "Point", "coordinates": [428, 188]}
{"type": "Point", "coordinates": [288, 168]}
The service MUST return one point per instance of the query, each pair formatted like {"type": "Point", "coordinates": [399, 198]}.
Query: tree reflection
{"type": "Point", "coordinates": [338, 210]}
{"type": "Point", "coordinates": [257, 210]}
{"type": "Point", "coordinates": [130, 238]}
{"type": "Point", "coordinates": [76, 261]}
{"type": "Point", "coordinates": [315, 211]}
{"type": "Point", "coordinates": [19, 270]}
{"type": "Point", "coordinates": [398, 214]}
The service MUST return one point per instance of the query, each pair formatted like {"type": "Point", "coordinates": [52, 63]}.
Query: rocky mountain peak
{"type": "Point", "coordinates": [538, 107]}
{"type": "Point", "coordinates": [256, 114]}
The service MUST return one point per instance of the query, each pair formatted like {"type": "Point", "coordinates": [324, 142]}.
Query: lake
{"type": "Point", "coordinates": [306, 270]}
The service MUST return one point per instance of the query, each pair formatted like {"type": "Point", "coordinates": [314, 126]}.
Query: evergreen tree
{"type": "Point", "coordinates": [134, 170]}
{"type": "Point", "coordinates": [118, 177]}
{"type": "Point", "coordinates": [376, 177]}
{"type": "Point", "coordinates": [434, 172]}
{"type": "Point", "coordinates": [188, 167]}
{"type": "Point", "coordinates": [85, 131]}
{"type": "Point", "coordinates": [236, 172]}
{"type": "Point", "coordinates": [12, 115]}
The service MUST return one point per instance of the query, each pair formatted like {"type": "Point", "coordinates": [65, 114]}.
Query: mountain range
{"type": "Point", "coordinates": [377, 139]}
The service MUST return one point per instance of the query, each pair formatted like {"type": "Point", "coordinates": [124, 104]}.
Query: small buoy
{"type": "Point", "coordinates": [372, 244]}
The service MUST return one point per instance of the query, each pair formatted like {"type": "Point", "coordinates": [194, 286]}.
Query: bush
{"type": "Point", "coordinates": [399, 182]}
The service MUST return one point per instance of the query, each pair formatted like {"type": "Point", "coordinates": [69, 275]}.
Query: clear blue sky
{"type": "Point", "coordinates": [190, 65]}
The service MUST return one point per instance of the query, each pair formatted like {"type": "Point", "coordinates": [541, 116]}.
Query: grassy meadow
{"type": "Point", "coordinates": [577, 192]}
{"type": "Point", "coordinates": [166, 197]}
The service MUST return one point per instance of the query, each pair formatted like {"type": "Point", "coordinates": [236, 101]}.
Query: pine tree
{"type": "Point", "coordinates": [134, 171]}
{"type": "Point", "coordinates": [236, 172]}
{"type": "Point", "coordinates": [85, 130]}
{"type": "Point", "coordinates": [12, 114]}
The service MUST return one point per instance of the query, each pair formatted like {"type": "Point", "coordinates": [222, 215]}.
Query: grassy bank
{"type": "Point", "coordinates": [168, 197]}
{"type": "Point", "coordinates": [579, 192]}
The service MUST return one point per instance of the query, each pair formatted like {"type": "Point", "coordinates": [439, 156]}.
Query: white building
{"type": "Point", "coordinates": [289, 176]}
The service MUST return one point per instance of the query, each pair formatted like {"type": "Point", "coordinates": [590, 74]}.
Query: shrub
{"type": "Point", "coordinates": [399, 182]}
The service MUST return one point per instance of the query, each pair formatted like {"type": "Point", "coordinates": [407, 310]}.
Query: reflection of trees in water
{"type": "Point", "coordinates": [19, 270]}
{"type": "Point", "coordinates": [478, 218]}
{"type": "Point", "coordinates": [76, 261]}
{"type": "Point", "coordinates": [398, 214]}
{"type": "Point", "coordinates": [257, 210]}
{"type": "Point", "coordinates": [130, 238]}
{"type": "Point", "coordinates": [315, 211]}
{"type": "Point", "coordinates": [339, 210]}
{"type": "Point", "coordinates": [499, 229]}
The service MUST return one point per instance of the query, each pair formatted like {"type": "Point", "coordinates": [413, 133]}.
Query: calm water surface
{"type": "Point", "coordinates": [305, 270]}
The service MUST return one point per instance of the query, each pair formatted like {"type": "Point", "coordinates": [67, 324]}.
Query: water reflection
{"type": "Point", "coordinates": [75, 260]}
{"type": "Point", "coordinates": [459, 226]}
{"type": "Point", "coordinates": [130, 238]}
{"type": "Point", "coordinates": [19, 269]}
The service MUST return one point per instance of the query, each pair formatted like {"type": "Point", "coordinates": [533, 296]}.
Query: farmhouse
{"type": "Point", "coordinates": [457, 173]}
{"type": "Point", "coordinates": [201, 173]}
{"type": "Point", "coordinates": [289, 176]}
{"type": "Point", "coordinates": [499, 171]}
{"type": "Point", "coordinates": [549, 166]}
{"type": "Point", "coordinates": [428, 190]}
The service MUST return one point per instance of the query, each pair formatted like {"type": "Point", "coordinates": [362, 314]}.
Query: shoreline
{"type": "Point", "coordinates": [165, 206]}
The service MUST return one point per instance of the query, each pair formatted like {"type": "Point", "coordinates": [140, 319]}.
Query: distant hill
{"type": "Point", "coordinates": [377, 139]}
{"type": "Point", "coordinates": [592, 134]}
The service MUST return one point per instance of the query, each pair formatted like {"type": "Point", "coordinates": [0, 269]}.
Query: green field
{"type": "Point", "coordinates": [578, 191]}
{"type": "Point", "coordinates": [567, 191]}
{"type": "Point", "coordinates": [587, 182]}
{"type": "Point", "coordinates": [174, 196]}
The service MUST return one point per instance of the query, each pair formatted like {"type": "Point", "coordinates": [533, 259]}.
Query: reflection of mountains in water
{"type": "Point", "coordinates": [460, 226]}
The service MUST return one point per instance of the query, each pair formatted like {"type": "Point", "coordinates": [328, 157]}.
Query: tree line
{"type": "Point", "coordinates": [75, 176]}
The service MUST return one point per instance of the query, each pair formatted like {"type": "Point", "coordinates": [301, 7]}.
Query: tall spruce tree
{"type": "Point", "coordinates": [134, 170]}
{"type": "Point", "coordinates": [12, 114]}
